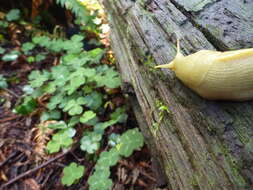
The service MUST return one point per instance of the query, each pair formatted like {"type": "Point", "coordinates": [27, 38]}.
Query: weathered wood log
{"type": "Point", "coordinates": [201, 144]}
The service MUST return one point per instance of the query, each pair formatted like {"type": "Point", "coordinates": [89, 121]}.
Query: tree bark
{"type": "Point", "coordinates": [200, 144]}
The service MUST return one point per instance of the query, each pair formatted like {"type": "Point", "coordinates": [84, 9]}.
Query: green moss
{"type": "Point", "coordinates": [163, 109]}
{"type": "Point", "coordinates": [149, 61]}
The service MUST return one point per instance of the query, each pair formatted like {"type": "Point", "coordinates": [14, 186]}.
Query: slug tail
{"type": "Point", "coordinates": [166, 66]}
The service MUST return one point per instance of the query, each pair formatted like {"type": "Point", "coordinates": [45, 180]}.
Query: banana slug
{"type": "Point", "coordinates": [216, 75]}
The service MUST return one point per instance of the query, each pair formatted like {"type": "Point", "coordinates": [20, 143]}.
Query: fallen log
{"type": "Point", "coordinates": [200, 144]}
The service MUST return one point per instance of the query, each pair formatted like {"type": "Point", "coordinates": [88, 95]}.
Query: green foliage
{"type": "Point", "coordinates": [37, 78]}
{"type": "Point", "coordinates": [74, 45]}
{"type": "Point", "coordinates": [11, 56]}
{"type": "Point", "coordinates": [2, 50]}
{"type": "Point", "coordinates": [3, 24]}
{"type": "Point", "coordinates": [100, 180]}
{"type": "Point", "coordinates": [75, 7]}
{"type": "Point", "coordinates": [114, 139]}
{"type": "Point", "coordinates": [119, 115]}
{"type": "Point", "coordinates": [61, 139]}
{"type": "Point", "coordinates": [74, 107]}
{"type": "Point", "coordinates": [163, 109]}
{"type": "Point", "coordinates": [87, 116]}
{"type": "Point", "coordinates": [131, 140]}
{"type": "Point", "coordinates": [58, 125]}
{"type": "Point", "coordinates": [76, 89]}
{"type": "Point", "coordinates": [26, 47]}
{"type": "Point", "coordinates": [72, 173]}
{"type": "Point", "coordinates": [28, 106]}
{"type": "Point", "coordinates": [50, 115]}
{"type": "Point", "coordinates": [91, 142]}
{"type": "Point", "coordinates": [3, 83]}
{"type": "Point", "coordinates": [93, 100]}
{"type": "Point", "coordinates": [65, 83]}
{"type": "Point", "coordinates": [66, 80]}
{"type": "Point", "coordinates": [40, 57]}
{"type": "Point", "coordinates": [30, 59]}
{"type": "Point", "coordinates": [108, 78]}
{"type": "Point", "coordinates": [84, 18]}
{"type": "Point", "coordinates": [13, 15]}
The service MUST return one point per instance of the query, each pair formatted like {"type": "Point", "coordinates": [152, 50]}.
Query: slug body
{"type": "Point", "coordinates": [216, 75]}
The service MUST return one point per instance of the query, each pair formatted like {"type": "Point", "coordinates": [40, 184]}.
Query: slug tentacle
{"type": "Point", "coordinates": [166, 66]}
{"type": "Point", "coordinates": [216, 75]}
{"type": "Point", "coordinates": [171, 65]}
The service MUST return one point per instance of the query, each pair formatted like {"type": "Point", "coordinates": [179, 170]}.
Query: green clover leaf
{"type": "Point", "coordinates": [76, 80]}
{"type": "Point", "coordinates": [2, 50]}
{"type": "Point", "coordinates": [58, 125]}
{"type": "Point", "coordinates": [72, 173]}
{"type": "Point", "coordinates": [3, 83]}
{"type": "Point", "coordinates": [114, 139]}
{"type": "Point", "coordinates": [54, 101]}
{"type": "Point", "coordinates": [49, 88]}
{"type": "Point", "coordinates": [40, 57]}
{"type": "Point", "coordinates": [99, 182]}
{"type": "Point", "coordinates": [95, 55]}
{"type": "Point", "coordinates": [59, 140]}
{"type": "Point", "coordinates": [28, 106]}
{"type": "Point", "coordinates": [87, 116]}
{"type": "Point", "coordinates": [11, 56]}
{"type": "Point", "coordinates": [73, 107]}
{"type": "Point", "coordinates": [37, 78]}
{"type": "Point", "coordinates": [60, 75]}
{"type": "Point", "coordinates": [109, 78]}
{"type": "Point", "coordinates": [13, 15]}
{"type": "Point", "coordinates": [50, 115]}
{"type": "Point", "coordinates": [3, 24]}
{"type": "Point", "coordinates": [77, 38]}
{"type": "Point", "coordinates": [89, 145]}
{"type": "Point", "coordinates": [119, 115]}
{"type": "Point", "coordinates": [91, 141]}
{"type": "Point", "coordinates": [108, 158]}
{"type": "Point", "coordinates": [73, 121]}
{"type": "Point", "coordinates": [73, 46]}
{"type": "Point", "coordinates": [94, 100]}
{"type": "Point", "coordinates": [42, 41]}
{"type": "Point", "coordinates": [28, 46]}
{"type": "Point", "coordinates": [130, 141]}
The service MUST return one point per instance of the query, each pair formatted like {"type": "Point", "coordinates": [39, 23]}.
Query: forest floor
{"type": "Point", "coordinates": [24, 160]}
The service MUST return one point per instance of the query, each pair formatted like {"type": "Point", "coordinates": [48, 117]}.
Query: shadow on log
{"type": "Point", "coordinates": [200, 144]}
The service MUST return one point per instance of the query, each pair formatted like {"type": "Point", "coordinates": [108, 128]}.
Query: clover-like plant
{"type": "Point", "coordinates": [72, 173]}
{"type": "Point", "coordinates": [3, 83]}
{"type": "Point", "coordinates": [76, 88]}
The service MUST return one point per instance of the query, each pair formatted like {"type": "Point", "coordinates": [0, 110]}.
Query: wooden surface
{"type": "Point", "coordinates": [200, 144]}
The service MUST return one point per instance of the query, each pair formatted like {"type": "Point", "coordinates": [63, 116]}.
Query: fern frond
{"type": "Point", "coordinates": [75, 6]}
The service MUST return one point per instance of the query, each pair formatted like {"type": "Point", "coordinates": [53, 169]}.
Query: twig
{"type": "Point", "coordinates": [11, 92]}
{"type": "Point", "coordinates": [15, 156]}
{"type": "Point", "coordinates": [76, 157]}
{"type": "Point", "coordinates": [9, 118]}
{"type": "Point", "coordinates": [33, 170]}
{"type": "Point", "coordinates": [122, 162]}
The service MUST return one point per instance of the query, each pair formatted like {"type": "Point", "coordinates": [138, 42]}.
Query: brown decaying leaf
{"type": "Point", "coordinates": [13, 32]}
{"type": "Point", "coordinates": [31, 184]}
{"type": "Point", "coordinates": [41, 137]}
{"type": "Point", "coordinates": [3, 176]}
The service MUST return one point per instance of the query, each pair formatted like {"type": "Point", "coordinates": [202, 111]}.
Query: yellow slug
{"type": "Point", "coordinates": [216, 75]}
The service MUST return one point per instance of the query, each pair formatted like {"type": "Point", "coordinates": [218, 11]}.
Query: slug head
{"type": "Point", "coordinates": [189, 69]}
{"type": "Point", "coordinates": [173, 64]}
